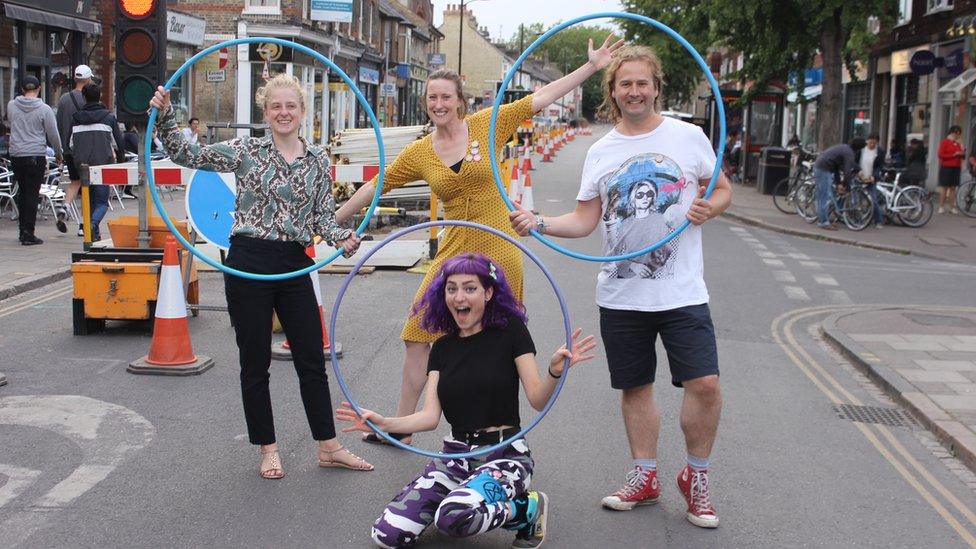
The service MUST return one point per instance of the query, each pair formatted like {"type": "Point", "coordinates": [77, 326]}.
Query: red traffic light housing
{"type": "Point", "coordinates": [140, 56]}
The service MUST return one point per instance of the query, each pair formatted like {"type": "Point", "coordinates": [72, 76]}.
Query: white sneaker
{"type": "Point", "coordinates": [941, 210]}
{"type": "Point", "coordinates": [954, 210]}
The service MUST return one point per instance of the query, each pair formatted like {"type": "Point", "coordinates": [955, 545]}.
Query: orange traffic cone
{"type": "Point", "coordinates": [283, 351]}
{"type": "Point", "coordinates": [527, 200]}
{"type": "Point", "coordinates": [547, 152]}
{"type": "Point", "coordinates": [526, 158]}
{"type": "Point", "coordinates": [515, 186]}
{"type": "Point", "coordinates": [170, 352]}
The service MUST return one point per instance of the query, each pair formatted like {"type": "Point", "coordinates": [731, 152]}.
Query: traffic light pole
{"type": "Point", "coordinates": [143, 238]}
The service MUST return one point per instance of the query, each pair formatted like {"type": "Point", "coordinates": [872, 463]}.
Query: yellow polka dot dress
{"type": "Point", "coordinates": [470, 195]}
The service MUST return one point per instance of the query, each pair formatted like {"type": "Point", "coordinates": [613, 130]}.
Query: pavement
{"type": "Point", "coordinates": [924, 358]}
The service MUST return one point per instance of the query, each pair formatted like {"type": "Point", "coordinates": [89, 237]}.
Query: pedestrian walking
{"type": "Point", "coordinates": [96, 140]}
{"type": "Point", "coordinates": [951, 153]}
{"type": "Point", "coordinates": [70, 103]}
{"type": "Point", "coordinates": [284, 199]}
{"type": "Point", "coordinates": [454, 161]}
{"type": "Point", "coordinates": [837, 163]}
{"type": "Point", "coordinates": [32, 128]}
{"type": "Point", "coordinates": [473, 372]}
{"type": "Point", "coordinates": [660, 166]}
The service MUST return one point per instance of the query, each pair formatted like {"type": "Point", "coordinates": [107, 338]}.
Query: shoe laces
{"type": "Point", "coordinates": [636, 480]}
{"type": "Point", "coordinates": [699, 492]}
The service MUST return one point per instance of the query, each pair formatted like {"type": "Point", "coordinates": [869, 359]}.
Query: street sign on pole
{"type": "Point", "coordinates": [388, 89]}
{"type": "Point", "coordinates": [216, 76]}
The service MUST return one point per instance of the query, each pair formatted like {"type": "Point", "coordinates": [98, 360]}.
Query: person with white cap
{"type": "Point", "coordinates": [68, 105]}
{"type": "Point", "coordinates": [32, 130]}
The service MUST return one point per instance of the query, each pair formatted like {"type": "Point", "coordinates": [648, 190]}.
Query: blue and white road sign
{"type": "Point", "coordinates": [210, 205]}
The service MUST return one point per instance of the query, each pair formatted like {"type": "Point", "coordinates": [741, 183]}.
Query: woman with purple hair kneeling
{"type": "Point", "coordinates": [473, 374]}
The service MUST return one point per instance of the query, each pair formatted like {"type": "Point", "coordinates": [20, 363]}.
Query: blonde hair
{"type": "Point", "coordinates": [609, 106]}
{"type": "Point", "coordinates": [280, 81]}
{"type": "Point", "coordinates": [451, 76]}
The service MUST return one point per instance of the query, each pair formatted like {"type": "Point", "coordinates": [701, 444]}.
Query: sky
{"type": "Point", "coordinates": [499, 15]}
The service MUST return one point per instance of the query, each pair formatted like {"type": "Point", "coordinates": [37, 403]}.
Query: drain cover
{"type": "Point", "coordinates": [939, 320]}
{"type": "Point", "coordinates": [892, 417]}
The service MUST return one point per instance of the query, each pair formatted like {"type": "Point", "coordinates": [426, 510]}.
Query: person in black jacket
{"type": "Point", "coordinates": [93, 131]}
{"type": "Point", "coordinates": [131, 138]}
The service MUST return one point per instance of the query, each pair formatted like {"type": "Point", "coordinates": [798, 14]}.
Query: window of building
{"type": "Point", "coordinates": [904, 11]}
{"type": "Point", "coordinates": [939, 5]}
{"type": "Point", "coordinates": [272, 7]}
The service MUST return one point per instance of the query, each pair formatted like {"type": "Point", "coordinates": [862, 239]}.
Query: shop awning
{"type": "Point", "coordinates": [950, 91]}
{"type": "Point", "coordinates": [42, 17]}
{"type": "Point", "coordinates": [809, 92]}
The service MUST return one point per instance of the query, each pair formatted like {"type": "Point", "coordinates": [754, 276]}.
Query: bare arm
{"type": "Point", "coordinates": [424, 420]}
{"type": "Point", "coordinates": [721, 198]}
{"type": "Point", "coordinates": [539, 388]}
{"type": "Point", "coordinates": [578, 223]}
{"type": "Point", "coordinates": [597, 60]}
{"type": "Point", "coordinates": [359, 200]}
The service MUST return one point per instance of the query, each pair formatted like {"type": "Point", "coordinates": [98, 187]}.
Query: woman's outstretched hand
{"type": "Point", "coordinates": [348, 414]}
{"type": "Point", "coordinates": [601, 58]}
{"type": "Point", "coordinates": [579, 354]}
{"type": "Point", "coordinates": [160, 99]}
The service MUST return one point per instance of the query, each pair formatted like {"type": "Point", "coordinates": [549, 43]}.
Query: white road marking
{"type": "Point", "coordinates": [811, 264]}
{"type": "Point", "coordinates": [18, 479]}
{"type": "Point", "coordinates": [773, 262]}
{"type": "Point", "coordinates": [839, 297]}
{"type": "Point", "coordinates": [764, 253]}
{"type": "Point", "coordinates": [784, 276]}
{"type": "Point", "coordinates": [826, 280]}
{"type": "Point", "coordinates": [797, 293]}
{"type": "Point", "coordinates": [804, 257]}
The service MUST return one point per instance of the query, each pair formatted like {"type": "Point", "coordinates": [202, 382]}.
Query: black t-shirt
{"type": "Point", "coordinates": [479, 383]}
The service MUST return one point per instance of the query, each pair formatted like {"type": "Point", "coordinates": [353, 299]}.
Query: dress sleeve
{"type": "Point", "coordinates": [521, 338]}
{"type": "Point", "coordinates": [510, 115]}
{"type": "Point", "coordinates": [404, 169]}
{"type": "Point", "coordinates": [324, 222]}
{"type": "Point", "coordinates": [226, 156]}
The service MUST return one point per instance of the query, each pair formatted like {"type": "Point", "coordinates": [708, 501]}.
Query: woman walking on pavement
{"type": "Point", "coordinates": [284, 199]}
{"type": "Point", "coordinates": [473, 375]}
{"type": "Point", "coordinates": [455, 163]}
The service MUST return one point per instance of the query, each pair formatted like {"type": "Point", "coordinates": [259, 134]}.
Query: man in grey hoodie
{"type": "Point", "coordinates": [32, 129]}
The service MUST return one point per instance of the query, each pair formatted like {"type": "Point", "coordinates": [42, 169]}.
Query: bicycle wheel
{"type": "Point", "coordinates": [966, 199]}
{"type": "Point", "coordinates": [804, 201]}
{"type": "Point", "coordinates": [783, 196]}
{"type": "Point", "coordinates": [913, 207]}
{"type": "Point", "coordinates": [858, 209]}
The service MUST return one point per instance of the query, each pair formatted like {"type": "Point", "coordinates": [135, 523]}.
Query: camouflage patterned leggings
{"type": "Point", "coordinates": [461, 498]}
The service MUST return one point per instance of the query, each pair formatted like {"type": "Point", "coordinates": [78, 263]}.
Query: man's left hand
{"type": "Point", "coordinates": [701, 209]}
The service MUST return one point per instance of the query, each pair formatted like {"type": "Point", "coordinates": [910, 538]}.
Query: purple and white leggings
{"type": "Point", "coordinates": [461, 497]}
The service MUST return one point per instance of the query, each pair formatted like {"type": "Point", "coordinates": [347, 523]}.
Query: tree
{"type": "Point", "coordinates": [566, 50]}
{"type": "Point", "coordinates": [777, 38]}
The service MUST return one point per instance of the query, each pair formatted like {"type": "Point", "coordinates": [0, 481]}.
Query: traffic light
{"type": "Point", "coordinates": [140, 56]}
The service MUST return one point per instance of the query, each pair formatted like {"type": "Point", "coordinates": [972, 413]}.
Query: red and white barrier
{"type": "Point", "coordinates": [165, 172]}
{"type": "Point", "coordinates": [353, 173]}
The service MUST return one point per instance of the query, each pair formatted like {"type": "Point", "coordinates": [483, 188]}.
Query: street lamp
{"type": "Point", "coordinates": [461, 33]}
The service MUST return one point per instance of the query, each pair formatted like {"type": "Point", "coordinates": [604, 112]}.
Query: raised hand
{"type": "Point", "coordinates": [578, 354]}
{"type": "Point", "coordinates": [601, 58]}
{"type": "Point", "coordinates": [160, 99]}
{"type": "Point", "coordinates": [348, 414]}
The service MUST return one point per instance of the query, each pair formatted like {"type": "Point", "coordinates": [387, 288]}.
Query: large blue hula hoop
{"type": "Point", "coordinates": [562, 306]}
{"type": "Point", "coordinates": [511, 73]}
{"type": "Point", "coordinates": [158, 201]}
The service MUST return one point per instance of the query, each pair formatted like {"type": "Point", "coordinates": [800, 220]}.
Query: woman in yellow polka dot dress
{"type": "Point", "coordinates": [455, 163]}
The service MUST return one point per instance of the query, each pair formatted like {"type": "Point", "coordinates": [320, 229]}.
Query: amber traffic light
{"type": "Point", "coordinates": [140, 56]}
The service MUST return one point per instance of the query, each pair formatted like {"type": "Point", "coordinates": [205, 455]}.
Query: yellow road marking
{"type": "Point", "coordinates": [795, 316]}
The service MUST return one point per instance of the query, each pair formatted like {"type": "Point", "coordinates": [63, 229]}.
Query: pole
{"type": "Point", "coordinates": [460, 36]}
{"type": "Point", "coordinates": [217, 103]}
{"type": "Point", "coordinates": [143, 237]}
{"type": "Point", "coordinates": [86, 206]}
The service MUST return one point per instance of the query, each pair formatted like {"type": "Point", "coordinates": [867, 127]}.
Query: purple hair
{"type": "Point", "coordinates": [435, 315]}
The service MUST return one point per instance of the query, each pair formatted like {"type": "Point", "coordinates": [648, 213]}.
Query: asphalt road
{"type": "Point", "coordinates": [94, 456]}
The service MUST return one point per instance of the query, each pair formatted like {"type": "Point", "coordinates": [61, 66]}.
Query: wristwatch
{"type": "Point", "coordinates": [540, 224]}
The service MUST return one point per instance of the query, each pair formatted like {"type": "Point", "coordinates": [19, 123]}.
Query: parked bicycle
{"type": "Point", "coordinates": [853, 206]}
{"type": "Point", "coordinates": [966, 198]}
{"type": "Point", "coordinates": [910, 205]}
{"type": "Point", "coordinates": [784, 193]}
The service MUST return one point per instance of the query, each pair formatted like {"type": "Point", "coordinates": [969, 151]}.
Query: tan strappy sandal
{"type": "Point", "coordinates": [275, 471]}
{"type": "Point", "coordinates": [359, 465]}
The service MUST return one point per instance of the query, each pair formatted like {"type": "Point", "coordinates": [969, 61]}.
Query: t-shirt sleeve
{"type": "Point", "coordinates": [589, 183]}
{"type": "Point", "coordinates": [704, 153]}
{"type": "Point", "coordinates": [434, 357]}
{"type": "Point", "coordinates": [521, 339]}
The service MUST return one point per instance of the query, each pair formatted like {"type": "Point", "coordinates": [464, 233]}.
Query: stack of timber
{"type": "Point", "coordinates": [358, 145]}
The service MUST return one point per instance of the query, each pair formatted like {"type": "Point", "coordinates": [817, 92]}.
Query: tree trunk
{"type": "Point", "coordinates": [829, 114]}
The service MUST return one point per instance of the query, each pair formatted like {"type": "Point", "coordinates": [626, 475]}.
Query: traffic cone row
{"type": "Point", "coordinates": [515, 185]}
{"type": "Point", "coordinates": [283, 351]}
{"type": "Point", "coordinates": [170, 351]}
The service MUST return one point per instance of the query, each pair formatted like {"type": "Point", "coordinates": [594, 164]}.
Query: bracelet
{"type": "Point", "coordinates": [540, 224]}
{"type": "Point", "coordinates": [549, 369]}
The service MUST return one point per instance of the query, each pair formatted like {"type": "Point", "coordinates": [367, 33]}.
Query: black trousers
{"type": "Point", "coordinates": [250, 304]}
{"type": "Point", "coordinates": [29, 174]}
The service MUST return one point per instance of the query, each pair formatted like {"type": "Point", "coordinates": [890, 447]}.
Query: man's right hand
{"type": "Point", "coordinates": [522, 220]}
{"type": "Point", "coordinates": [160, 99]}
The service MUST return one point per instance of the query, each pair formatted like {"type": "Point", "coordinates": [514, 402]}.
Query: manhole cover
{"type": "Point", "coordinates": [892, 417]}
{"type": "Point", "coordinates": [939, 320]}
{"type": "Point", "coordinates": [939, 241]}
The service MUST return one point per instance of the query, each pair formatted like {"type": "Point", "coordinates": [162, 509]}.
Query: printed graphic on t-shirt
{"type": "Point", "coordinates": [642, 207]}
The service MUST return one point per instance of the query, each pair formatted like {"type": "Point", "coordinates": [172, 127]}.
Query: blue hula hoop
{"type": "Point", "coordinates": [562, 306]}
{"type": "Point", "coordinates": [511, 73]}
{"type": "Point", "coordinates": [157, 201]}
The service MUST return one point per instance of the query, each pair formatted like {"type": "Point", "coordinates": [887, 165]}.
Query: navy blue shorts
{"type": "Point", "coordinates": [629, 338]}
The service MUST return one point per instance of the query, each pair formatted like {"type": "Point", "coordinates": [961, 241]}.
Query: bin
{"type": "Point", "coordinates": [774, 166]}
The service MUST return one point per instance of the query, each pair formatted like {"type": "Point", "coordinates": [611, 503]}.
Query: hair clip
{"type": "Point", "coordinates": [491, 271]}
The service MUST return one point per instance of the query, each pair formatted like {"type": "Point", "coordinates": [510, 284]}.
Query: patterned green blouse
{"type": "Point", "coordinates": [275, 200]}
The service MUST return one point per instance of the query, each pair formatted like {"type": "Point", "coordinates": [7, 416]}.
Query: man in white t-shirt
{"type": "Point", "coordinates": [642, 180]}
{"type": "Point", "coordinates": [192, 131]}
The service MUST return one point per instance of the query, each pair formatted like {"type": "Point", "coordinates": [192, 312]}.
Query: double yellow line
{"type": "Point", "coordinates": [27, 304]}
{"type": "Point", "coordinates": [894, 452]}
